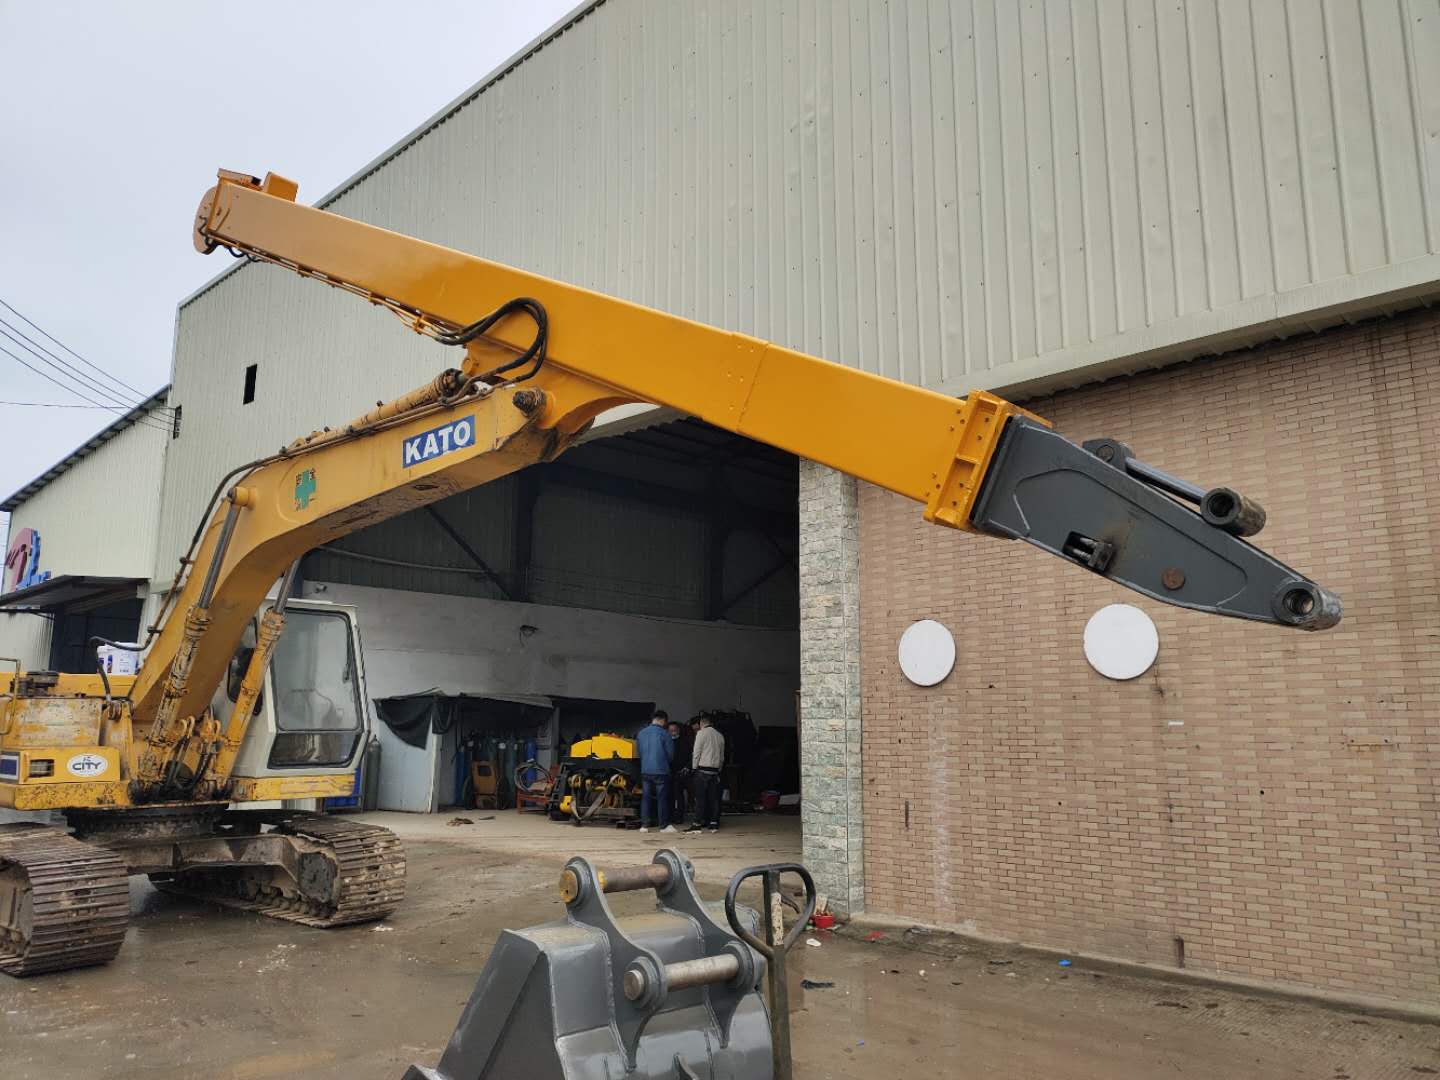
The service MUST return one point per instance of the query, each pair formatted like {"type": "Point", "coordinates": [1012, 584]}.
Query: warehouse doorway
{"type": "Point", "coordinates": [70, 648]}
{"type": "Point", "coordinates": [654, 568]}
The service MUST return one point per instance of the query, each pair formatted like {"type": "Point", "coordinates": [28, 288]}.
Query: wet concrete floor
{"type": "Point", "coordinates": [199, 992]}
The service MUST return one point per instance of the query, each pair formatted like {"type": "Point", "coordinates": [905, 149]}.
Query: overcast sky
{"type": "Point", "coordinates": [113, 120]}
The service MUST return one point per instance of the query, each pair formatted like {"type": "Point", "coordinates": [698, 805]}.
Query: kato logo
{"type": "Point", "coordinates": [86, 765]}
{"type": "Point", "coordinates": [456, 435]}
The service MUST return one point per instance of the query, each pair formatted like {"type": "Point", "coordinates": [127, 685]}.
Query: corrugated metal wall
{"type": "Point", "coordinates": [954, 193]}
{"type": "Point", "coordinates": [608, 550]}
{"type": "Point", "coordinates": [600, 551]}
{"type": "Point", "coordinates": [483, 517]}
{"type": "Point", "coordinates": [25, 637]}
{"type": "Point", "coordinates": [101, 515]}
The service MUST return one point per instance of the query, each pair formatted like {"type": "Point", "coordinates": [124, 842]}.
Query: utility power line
{"type": "Point", "coordinates": [98, 404]}
{"type": "Point", "coordinates": [64, 368]}
{"type": "Point", "coordinates": [54, 405]}
{"type": "Point", "coordinates": [141, 395]}
{"type": "Point", "coordinates": [62, 374]}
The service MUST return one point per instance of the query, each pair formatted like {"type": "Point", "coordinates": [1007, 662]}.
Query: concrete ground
{"type": "Point", "coordinates": [762, 838]}
{"type": "Point", "coordinates": [230, 996]}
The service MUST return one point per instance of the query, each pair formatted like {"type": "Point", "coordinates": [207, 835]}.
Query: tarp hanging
{"type": "Point", "coordinates": [412, 719]}
{"type": "Point", "coordinates": [414, 716]}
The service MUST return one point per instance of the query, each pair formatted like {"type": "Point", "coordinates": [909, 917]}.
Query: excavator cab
{"type": "Point", "coordinates": [311, 717]}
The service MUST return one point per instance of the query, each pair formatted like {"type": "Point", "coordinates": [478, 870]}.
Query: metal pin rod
{"type": "Point", "coordinates": [625, 879]}
{"type": "Point", "coordinates": [706, 971]}
{"type": "Point", "coordinates": [702, 972]}
{"type": "Point", "coordinates": [630, 878]}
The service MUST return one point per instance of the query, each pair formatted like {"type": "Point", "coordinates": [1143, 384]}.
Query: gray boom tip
{"type": "Point", "coordinates": [1120, 518]}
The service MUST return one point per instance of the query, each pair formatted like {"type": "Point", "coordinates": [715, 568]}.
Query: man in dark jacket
{"type": "Point", "coordinates": [679, 771]}
{"type": "Point", "coordinates": [657, 751]}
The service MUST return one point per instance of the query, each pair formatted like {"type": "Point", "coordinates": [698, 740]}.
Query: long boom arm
{"type": "Point", "coordinates": [551, 357]}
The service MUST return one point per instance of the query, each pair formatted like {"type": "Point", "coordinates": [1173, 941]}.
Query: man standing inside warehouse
{"type": "Point", "coordinates": [707, 759]}
{"type": "Point", "coordinates": [657, 750]}
{"type": "Point", "coordinates": [680, 772]}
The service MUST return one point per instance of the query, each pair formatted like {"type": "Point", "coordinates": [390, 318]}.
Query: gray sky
{"type": "Point", "coordinates": [113, 120]}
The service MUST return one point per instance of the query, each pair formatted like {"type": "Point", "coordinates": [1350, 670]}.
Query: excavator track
{"type": "Point", "coordinates": [63, 903]}
{"type": "Point", "coordinates": [368, 880]}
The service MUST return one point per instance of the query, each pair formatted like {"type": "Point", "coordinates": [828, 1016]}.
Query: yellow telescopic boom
{"type": "Point", "coordinates": [542, 359]}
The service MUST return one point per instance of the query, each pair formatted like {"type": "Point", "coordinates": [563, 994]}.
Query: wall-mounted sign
{"type": "Point", "coordinates": [927, 652]}
{"type": "Point", "coordinates": [22, 562]}
{"type": "Point", "coordinates": [1121, 642]}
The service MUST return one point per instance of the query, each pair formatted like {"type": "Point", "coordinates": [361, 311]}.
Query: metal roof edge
{"type": "Point", "coordinates": [1269, 318]}
{"type": "Point", "coordinates": [86, 448]}
{"type": "Point", "coordinates": [534, 45]}
{"type": "Point", "coordinates": [66, 585]}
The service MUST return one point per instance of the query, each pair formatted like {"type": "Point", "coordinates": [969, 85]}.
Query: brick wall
{"type": "Point", "coordinates": [1268, 796]}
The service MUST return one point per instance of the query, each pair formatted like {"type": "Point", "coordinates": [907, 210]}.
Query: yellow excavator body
{"type": "Point", "coordinates": [66, 745]}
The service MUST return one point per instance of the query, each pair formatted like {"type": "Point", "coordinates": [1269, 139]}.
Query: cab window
{"type": "Point", "coordinates": [317, 702]}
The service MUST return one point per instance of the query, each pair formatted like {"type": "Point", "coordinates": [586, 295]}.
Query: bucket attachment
{"type": "Point", "coordinates": [671, 995]}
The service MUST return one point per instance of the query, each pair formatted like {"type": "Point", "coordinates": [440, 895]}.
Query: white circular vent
{"type": "Point", "coordinates": [927, 652]}
{"type": "Point", "coordinates": [1121, 641]}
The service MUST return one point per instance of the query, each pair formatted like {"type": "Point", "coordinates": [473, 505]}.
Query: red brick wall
{"type": "Point", "coordinates": [1269, 796]}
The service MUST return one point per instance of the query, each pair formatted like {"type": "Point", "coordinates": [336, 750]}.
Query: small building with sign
{"type": "Point", "coordinates": [81, 543]}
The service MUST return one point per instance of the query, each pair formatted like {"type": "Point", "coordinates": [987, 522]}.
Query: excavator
{"type": "Point", "coordinates": [153, 772]}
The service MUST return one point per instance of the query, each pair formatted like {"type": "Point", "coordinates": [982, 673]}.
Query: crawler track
{"type": "Point", "coordinates": [361, 879]}
{"type": "Point", "coordinates": [63, 903]}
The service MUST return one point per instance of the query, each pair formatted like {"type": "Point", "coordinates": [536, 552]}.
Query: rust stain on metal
{"type": "Point", "coordinates": [66, 795]}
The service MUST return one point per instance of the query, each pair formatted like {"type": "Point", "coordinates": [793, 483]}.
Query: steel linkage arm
{"type": "Point", "coordinates": [1092, 510]}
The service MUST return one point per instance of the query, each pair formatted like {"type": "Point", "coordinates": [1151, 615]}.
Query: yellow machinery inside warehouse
{"type": "Point", "coordinates": [599, 780]}
{"type": "Point", "coordinates": [147, 770]}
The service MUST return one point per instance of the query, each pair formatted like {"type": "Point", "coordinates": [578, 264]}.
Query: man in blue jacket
{"type": "Point", "coordinates": [657, 750]}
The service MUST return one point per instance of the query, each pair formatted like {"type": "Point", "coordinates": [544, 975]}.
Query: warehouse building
{"type": "Point", "coordinates": [67, 576]}
{"type": "Point", "coordinates": [1211, 230]}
